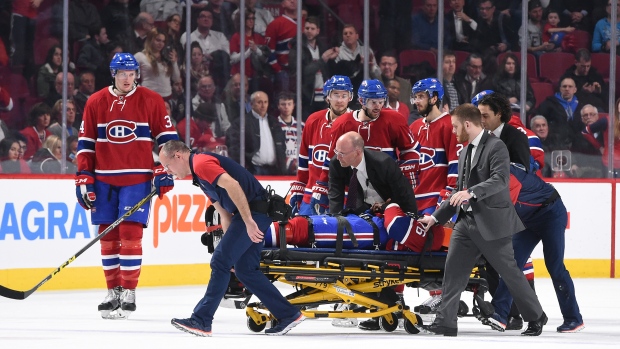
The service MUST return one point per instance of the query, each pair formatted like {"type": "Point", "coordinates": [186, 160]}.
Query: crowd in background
{"type": "Point", "coordinates": [566, 107]}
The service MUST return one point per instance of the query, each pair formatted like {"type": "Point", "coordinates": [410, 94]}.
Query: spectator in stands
{"type": "Point", "coordinates": [473, 80]}
{"type": "Point", "coordinates": [424, 27]}
{"type": "Point", "coordinates": [48, 158]}
{"type": "Point", "coordinates": [459, 28]}
{"type": "Point", "coordinates": [388, 65]}
{"type": "Point", "coordinates": [173, 32]}
{"type": "Point", "coordinates": [507, 81]}
{"type": "Point", "coordinates": [161, 9]}
{"type": "Point", "coordinates": [117, 17]}
{"type": "Point", "coordinates": [562, 113]}
{"type": "Point", "coordinates": [46, 78]}
{"type": "Point", "coordinates": [451, 96]}
{"type": "Point", "coordinates": [535, 42]}
{"type": "Point", "coordinates": [72, 143]}
{"type": "Point", "coordinates": [23, 143]}
{"type": "Point", "coordinates": [93, 56]}
{"type": "Point", "coordinates": [576, 14]}
{"type": "Point", "coordinates": [9, 157]}
{"type": "Point", "coordinates": [214, 45]}
{"type": "Point", "coordinates": [204, 126]}
{"type": "Point", "coordinates": [264, 140]}
{"type": "Point", "coordinates": [199, 67]}
{"type": "Point", "coordinates": [134, 41]}
{"type": "Point", "coordinates": [83, 19]}
{"type": "Point", "coordinates": [493, 36]}
{"type": "Point", "coordinates": [253, 43]}
{"type": "Point", "coordinates": [158, 66]}
{"type": "Point", "coordinates": [86, 88]}
{"type": "Point", "coordinates": [56, 127]}
{"type": "Point", "coordinates": [263, 16]}
{"type": "Point", "coordinates": [232, 98]}
{"type": "Point", "coordinates": [540, 127]}
{"type": "Point", "coordinates": [36, 132]}
{"type": "Point", "coordinates": [177, 101]}
{"type": "Point", "coordinates": [601, 39]}
{"type": "Point", "coordinates": [590, 117]}
{"type": "Point", "coordinates": [586, 157]}
{"type": "Point", "coordinates": [552, 33]}
{"type": "Point", "coordinates": [56, 94]}
{"type": "Point", "coordinates": [288, 123]}
{"type": "Point", "coordinates": [315, 56]}
{"type": "Point", "coordinates": [222, 18]}
{"type": "Point", "coordinates": [350, 61]}
{"type": "Point", "coordinates": [6, 104]}
{"type": "Point", "coordinates": [278, 36]}
{"type": "Point", "coordinates": [23, 25]}
{"type": "Point", "coordinates": [591, 87]}
{"type": "Point", "coordinates": [393, 88]}
{"type": "Point", "coordinates": [206, 93]}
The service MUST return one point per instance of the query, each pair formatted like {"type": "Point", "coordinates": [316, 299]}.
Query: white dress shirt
{"type": "Point", "coordinates": [266, 155]}
{"type": "Point", "coordinates": [370, 194]}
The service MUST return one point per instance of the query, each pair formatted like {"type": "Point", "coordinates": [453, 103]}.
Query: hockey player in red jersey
{"type": "Point", "coordinates": [116, 170]}
{"type": "Point", "coordinates": [439, 148]}
{"type": "Point", "coordinates": [382, 130]}
{"type": "Point", "coordinates": [315, 138]}
{"type": "Point", "coordinates": [537, 154]}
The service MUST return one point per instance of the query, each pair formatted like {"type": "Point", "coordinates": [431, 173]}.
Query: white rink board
{"type": "Point", "coordinates": [589, 209]}
{"type": "Point", "coordinates": [28, 207]}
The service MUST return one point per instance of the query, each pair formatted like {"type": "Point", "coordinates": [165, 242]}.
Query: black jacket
{"type": "Point", "coordinates": [464, 87]}
{"type": "Point", "coordinates": [517, 144]}
{"type": "Point", "coordinates": [309, 67]}
{"type": "Point", "coordinates": [252, 141]}
{"type": "Point", "coordinates": [511, 87]}
{"type": "Point", "coordinates": [567, 133]}
{"type": "Point", "coordinates": [599, 100]}
{"type": "Point", "coordinates": [384, 175]}
{"type": "Point", "coordinates": [450, 31]}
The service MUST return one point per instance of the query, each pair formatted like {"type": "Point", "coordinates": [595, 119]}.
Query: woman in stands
{"type": "Point", "coordinates": [508, 82]}
{"type": "Point", "coordinates": [158, 63]}
{"type": "Point", "coordinates": [47, 73]}
{"type": "Point", "coordinates": [9, 157]}
{"type": "Point", "coordinates": [253, 43]}
{"type": "Point", "coordinates": [199, 68]}
{"type": "Point", "coordinates": [47, 159]}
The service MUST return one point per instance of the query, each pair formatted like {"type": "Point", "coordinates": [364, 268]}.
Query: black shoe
{"type": "Point", "coordinates": [571, 327]}
{"type": "Point", "coordinates": [534, 328]}
{"type": "Point", "coordinates": [514, 324]}
{"type": "Point", "coordinates": [440, 330]}
{"type": "Point", "coordinates": [370, 324]}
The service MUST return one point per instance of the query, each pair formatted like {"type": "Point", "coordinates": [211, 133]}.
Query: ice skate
{"type": "Point", "coordinates": [128, 303]}
{"type": "Point", "coordinates": [344, 322]}
{"type": "Point", "coordinates": [111, 303]}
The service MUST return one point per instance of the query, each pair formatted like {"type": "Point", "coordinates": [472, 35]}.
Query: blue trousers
{"type": "Point", "coordinates": [549, 227]}
{"type": "Point", "coordinates": [236, 249]}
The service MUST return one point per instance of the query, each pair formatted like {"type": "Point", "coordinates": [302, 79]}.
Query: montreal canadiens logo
{"type": "Point", "coordinates": [426, 158]}
{"type": "Point", "coordinates": [319, 154]}
{"type": "Point", "coordinates": [121, 131]}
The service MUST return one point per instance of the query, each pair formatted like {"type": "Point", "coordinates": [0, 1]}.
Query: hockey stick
{"type": "Point", "coordinates": [14, 294]}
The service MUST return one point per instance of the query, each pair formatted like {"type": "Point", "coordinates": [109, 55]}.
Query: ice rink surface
{"type": "Point", "coordinates": [69, 319]}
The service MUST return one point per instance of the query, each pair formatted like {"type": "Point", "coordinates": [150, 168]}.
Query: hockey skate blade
{"type": "Point", "coordinates": [111, 315]}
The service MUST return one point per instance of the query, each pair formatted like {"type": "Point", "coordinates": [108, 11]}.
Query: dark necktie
{"type": "Point", "coordinates": [466, 171]}
{"type": "Point", "coordinates": [352, 196]}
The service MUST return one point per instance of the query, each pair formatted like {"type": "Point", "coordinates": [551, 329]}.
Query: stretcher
{"type": "Point", "coordinates": [361, 277]}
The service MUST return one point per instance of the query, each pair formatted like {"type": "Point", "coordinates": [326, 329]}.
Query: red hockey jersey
{"type": "Point", "coordinates": [536, 149]}
{"type": "Point", "coordinates": [388, 133]}
{"type": "Point", "coordinates": [278, 36]}
{"type": "Point", "coordinates": [117, 134]}
{"type": "Point", "coordinates": [313, 150]}
{"type": "Point", "coordinates": [439, 158]}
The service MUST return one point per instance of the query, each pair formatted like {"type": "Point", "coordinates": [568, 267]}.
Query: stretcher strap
{"type": "Point", "coordinates": [282, 233]}
{"type": "Point", "coordinates": [343, 223]}
{"type": "Point", "coordinates": [311, 237]}
{"type": "Point", "coordinates": [376, 238]}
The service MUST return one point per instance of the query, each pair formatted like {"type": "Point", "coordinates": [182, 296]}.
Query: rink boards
{"type": "Point", "coordinates": [41, 226]}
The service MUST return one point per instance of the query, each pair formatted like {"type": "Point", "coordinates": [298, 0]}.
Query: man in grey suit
{"type": "Point", "coordinates": [485, 224]}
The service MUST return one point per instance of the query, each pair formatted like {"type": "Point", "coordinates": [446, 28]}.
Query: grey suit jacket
{"type": "Point", "coordinates": [493, 210]}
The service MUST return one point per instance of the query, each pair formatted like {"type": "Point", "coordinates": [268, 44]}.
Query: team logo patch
{"type": "Point", "coordinates": [426, 158]}
{"type": "Point", "coordinates": [319, 153]}
{"type": "Point", "coordinates": [121, 131]}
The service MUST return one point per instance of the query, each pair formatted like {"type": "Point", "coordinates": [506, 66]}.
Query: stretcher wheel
{"type": "Point", "coordinates": [411, 328]}
{"type": "Point", "coordinates": [386, 326]}
{"type": "Point", "coordinates": [254, 327]}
